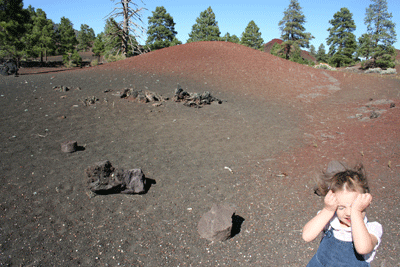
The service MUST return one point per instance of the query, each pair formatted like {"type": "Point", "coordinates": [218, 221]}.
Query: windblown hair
{"type": "Point", "coordinates": [351, 179]}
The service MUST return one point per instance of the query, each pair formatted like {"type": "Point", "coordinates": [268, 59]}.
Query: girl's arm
{"type": "Point", "coordinates": [364, 242]}
{"type": "Point", "coordinates": [315, 226]}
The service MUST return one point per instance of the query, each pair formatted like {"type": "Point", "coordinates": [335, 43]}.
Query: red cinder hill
{"type": "Point", "coordinates": [229, 65]}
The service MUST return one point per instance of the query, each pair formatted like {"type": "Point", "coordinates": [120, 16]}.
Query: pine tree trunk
{"type": "Point", "coordinates": [125, 31]}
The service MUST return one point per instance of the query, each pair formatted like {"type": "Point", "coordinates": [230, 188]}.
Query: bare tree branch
{"type": "Point", "coordinates": [128, 24]}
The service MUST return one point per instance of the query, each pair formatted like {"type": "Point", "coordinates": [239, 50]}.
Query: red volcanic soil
{"type": "Point", "coordinates": [278, 127]}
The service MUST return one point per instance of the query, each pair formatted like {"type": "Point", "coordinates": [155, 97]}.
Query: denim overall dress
{"type": "Point", "coordinates": [336, 253]}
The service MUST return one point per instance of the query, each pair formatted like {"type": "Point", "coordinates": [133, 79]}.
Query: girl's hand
{"type": "Point", "coordinates": [330, 201]}
{"type": "Point", "coordinates": [362, 202]}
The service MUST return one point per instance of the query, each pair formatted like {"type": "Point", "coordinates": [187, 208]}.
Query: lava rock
{"type": "Point", "coordinates": [103, 178]}
{"type": "Point", "coordinates": [9, 67]}
{"type": "Point", "coordinates": [195, 100]}
{"type": "Point", "coordinates": [134, 181]}
{"type": "Point", "coordinates": [216, 224]}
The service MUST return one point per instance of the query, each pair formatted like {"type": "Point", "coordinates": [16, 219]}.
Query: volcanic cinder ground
{"type": "Point", "coordinates": [279, 125]}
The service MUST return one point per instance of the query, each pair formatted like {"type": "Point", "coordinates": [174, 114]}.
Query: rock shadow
{"type": "Point", "coordinates": [236, 224]}
{"type": "Point", "coordinates": [148, 184]}
{"type": "Point", "coordinates": [80, 148]}
{"type": "Point", "coordinates": [120, 188]}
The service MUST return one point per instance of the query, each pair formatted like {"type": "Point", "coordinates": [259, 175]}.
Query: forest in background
{"type": "Point", "coordinates": [28, 34]}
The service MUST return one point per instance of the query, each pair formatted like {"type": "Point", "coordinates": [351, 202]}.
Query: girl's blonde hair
{"type": "Point", "coordinates": [351, 179]}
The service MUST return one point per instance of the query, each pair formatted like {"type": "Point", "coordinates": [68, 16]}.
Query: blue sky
{"type": "Point", "coordinates": [232, 16]}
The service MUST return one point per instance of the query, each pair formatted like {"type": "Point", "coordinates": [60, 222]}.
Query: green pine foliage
{"type": "Point", "coordinates": [66, 37]}
{"type": "Point", "coordinates": [39, 39]}
{"type": "Point", "coordinates": [296, 55]}
{"type": "Point", "coordinates": [206, 28]}
{"type": "Point", "coordinates": [76, 58]}
{"type": "Point", "coordinates": [98, 45]}
{"type": "Point", "coordinates": [382, 34]}
{"type": "Point", "coordinates": [230, 38]}
{"type": "Point", "coordinates": [175, 41]}
{"type": "Point", "coordinates": [13, 20]}
{"type": "Point", "coordinates": [72, 59]}
{"type": "Point", "coordinates": [277, 50]}
{"type": "Point", "coordinates": [112, 42]}
{"type": "Point", "coordinates": [313, 52]}
{"type": "Point", "coordinates": [321, 55]}
{"type": "Point", "coordinates": [293, 30]}
{"type": "Point", "coordinates": [161, 31]}
{"type": "Point", "coordinates": [86, 37]}
{"type": "Point", "coordinates": [364, 48]}
{"type": "Point", "coordinates": [341, 39]}
{"type": "Point", "coordinates": [251, 36]}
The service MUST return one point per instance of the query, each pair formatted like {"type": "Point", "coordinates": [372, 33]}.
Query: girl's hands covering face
{"type": "Point", "coordinates": [362, 202]}
{"type": "Point", "coordinates": [330, 201]}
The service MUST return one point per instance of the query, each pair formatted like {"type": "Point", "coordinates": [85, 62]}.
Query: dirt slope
{"type": "Point", "coordinates": [279, 125]}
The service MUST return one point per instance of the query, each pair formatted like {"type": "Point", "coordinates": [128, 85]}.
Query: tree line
{"type": "Point", "coordinates": [27, 33]}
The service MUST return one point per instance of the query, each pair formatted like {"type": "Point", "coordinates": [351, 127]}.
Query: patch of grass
{"type": "Point", "coordinates": [113, 58]}
{"type": "Point", "coordinates": [94, 62]}
{"type": "Point", "coordinates": [324, 66]}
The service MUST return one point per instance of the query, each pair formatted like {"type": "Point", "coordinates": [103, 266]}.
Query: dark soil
{"type": "Point", "coordinates": [279, 125]}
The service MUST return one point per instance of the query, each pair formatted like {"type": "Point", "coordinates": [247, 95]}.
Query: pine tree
{"type": "Point", "coordinates": [321, 55]}
{"type": "Point", "coordinates": [161, 31]}
{"type": "Point", "coordinates": [13, 26]}
{"type": "Point", "coordinates": [112, 41]}
{"type": "Point", "coordinates": [230, 38]}
{"type": "Point", "coordinates": [382, 34]}
{"type": "Point", "coordinates": [341, 39]}
{"type": "Point", "coordinates": [251, 36]}
{"type": "Point", "coordinates": [40, 38]}
{"type": "Point", "coordinates": [313, 52]}
{"type": "Point", "coordinates": [98, 45]}
{"type": "Point", "coordinates": [206, 28]}
{"type": "Point", "coordinates": [364, 48]}
{"type": "Point", "coordinates": [293, 31]}
{"type": "Point", "coordinates": [85, 37]}
{"type": "Point", "coordinates": [66, 36]}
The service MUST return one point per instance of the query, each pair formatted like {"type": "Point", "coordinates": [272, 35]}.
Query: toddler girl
{"type": "Point", "coordinates": [348, 239]}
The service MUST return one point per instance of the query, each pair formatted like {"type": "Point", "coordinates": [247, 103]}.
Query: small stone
{"type": "Point", "coordinates": [69, 146]}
